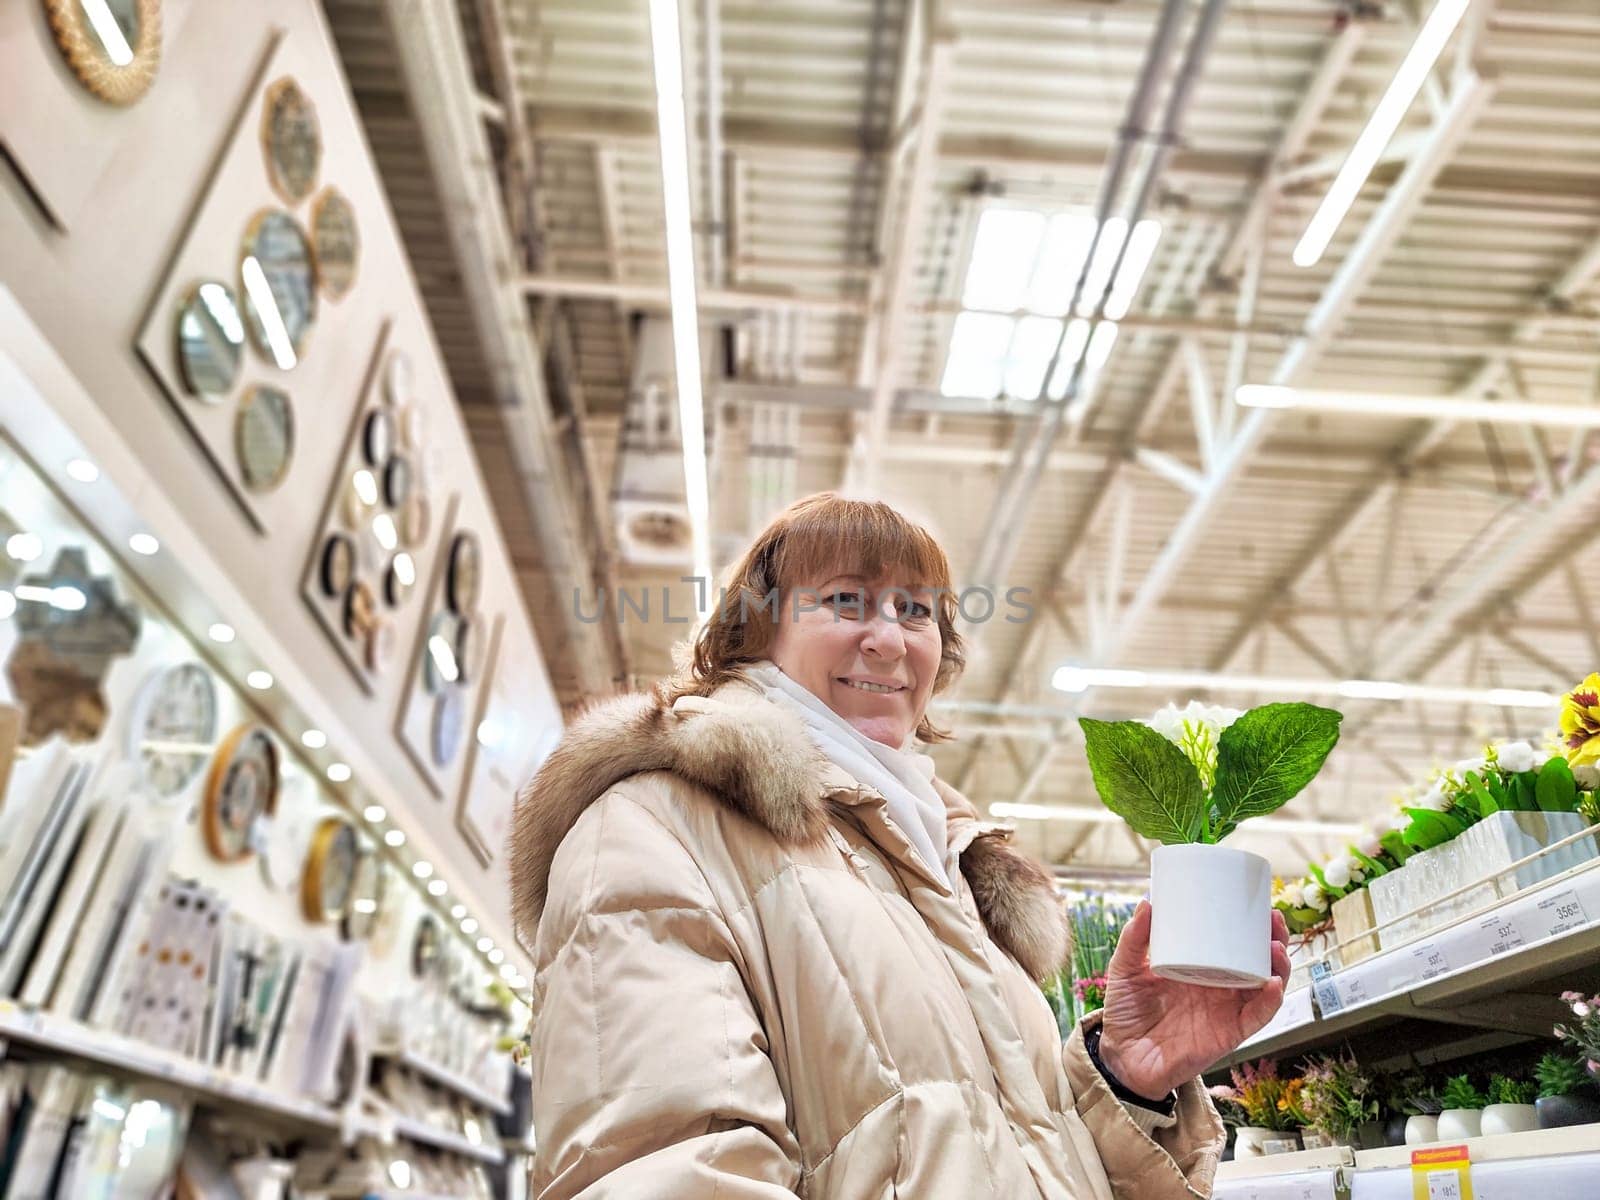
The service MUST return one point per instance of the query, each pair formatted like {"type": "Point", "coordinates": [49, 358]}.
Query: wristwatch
{"type": "Point", "coordinates": [1166, 1106]}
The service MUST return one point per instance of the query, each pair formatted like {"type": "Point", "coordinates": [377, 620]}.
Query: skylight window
{"type": "Point", "coordinates": [1023, 269]}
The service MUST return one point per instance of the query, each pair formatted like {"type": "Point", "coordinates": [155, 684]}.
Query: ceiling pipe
{"type": "Point", "coordinates": [711, 59]}
{"type": "Point", "coordinates": [433, 64]}
{"type": "Point", "coordinates": [999, 546]}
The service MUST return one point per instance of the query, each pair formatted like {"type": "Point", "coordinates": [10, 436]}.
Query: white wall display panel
{"type": "Point", "coordinates": [223, 237]}
{"type": "Point", "coordinates": [65, 142]}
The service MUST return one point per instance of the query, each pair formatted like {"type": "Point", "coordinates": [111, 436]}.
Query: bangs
{"type": "Point", "coordinates": [828, 535]}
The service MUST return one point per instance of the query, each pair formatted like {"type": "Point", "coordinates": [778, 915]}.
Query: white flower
{"type": "Point", "coordinates": [1518, 757]}
{"type": "Point", "coordinates": [1399, 821]}
{"type": "Point", "coordinates": [1435, 798]}
{"type": "Point", "coordinates": [1337, 871]}
{"type": "Point", "coordinates": [1316, 898]}
{"type": "Point", "coordinates": [1370, 843]}
{"type": "Point", "coordinates": [1293, 895]}
{"type": "Point", "coordinates": [1169, 722]}
{"type": "Point", "coordinates": [1468, 764]}
{"type": "Point", "coordinates": [1579, 1010]}
{"type": "Point", "coordinates": [1586, 776]}
{"type": "Point", "coordinates": [1357, 875]}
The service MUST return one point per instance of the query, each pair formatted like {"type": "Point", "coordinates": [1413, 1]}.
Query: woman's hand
{"type": "Point", "coordinates": [1158, 1033]}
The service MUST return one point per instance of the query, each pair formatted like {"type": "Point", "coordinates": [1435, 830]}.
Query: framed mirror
{"type": "Point", "coordinates": [291, 140]}
{"type": "Point", "coordinates": [415, 518]}
{"type": "Point", "coordinates": [396, 481]}
{"type": "Point", "coordinates": [210, 340]}
{"type": "Point", "coordinates": [464, 576]}
{"type": "Point", "coordinates": [382, 641]}
{"type": "Point", "coordinates": [242, 787]}
{"type": "Point", "coordinates": [264, 437]}
{"type": "Point", "coordinates": [449, 723]}
{"type": "Point", "coordinates": [279, 281]}
{"type": "Point", "coordinates": [328, 880]}
{"type": "Point", "coordinates": [439, 667]}
{"type": "Point", "coordinates": [377, 438]}
{"type": "Point", "coordinates": [398, 380]}
{"type": "Point", "coordinates": [337, 566]}
{"type": "Point", "coordinates": [336, 241]}
{"type": "Point", "coordinates": [360, 610]}
{"type": "Point", "coordinates": [398, 579]}
{"type": "Point", "coordinates": [112, 46]}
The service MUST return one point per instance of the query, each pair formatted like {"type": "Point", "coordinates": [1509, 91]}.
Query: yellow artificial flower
{"type": "Point", "coordinates": [1580, 722]}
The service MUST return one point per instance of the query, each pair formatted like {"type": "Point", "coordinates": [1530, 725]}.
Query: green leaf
{"type": "Point", "coordinates": [1395, 843]}
{"type": "Point", "coordinates": [1429, 829]}
{"type": "Point", "coordinates": [1145, 780]}
{"type": "Point", "coordinates": [1556, 791]}
{"type": "Point", "coordinates": [1371, 866]}
{"type": "Point", "coordinates": [1486, 802]}
{"type": "Point", "coordinates": [1520, 790]}
{"type": "Point", "coordinates": [1269, 754]}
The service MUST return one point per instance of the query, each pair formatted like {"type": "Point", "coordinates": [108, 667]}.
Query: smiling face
{"type": "Point", "coordinates": [868, 649]}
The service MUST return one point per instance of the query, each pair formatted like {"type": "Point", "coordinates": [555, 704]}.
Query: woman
{"type": "Point", "coordinates": [775, 954]}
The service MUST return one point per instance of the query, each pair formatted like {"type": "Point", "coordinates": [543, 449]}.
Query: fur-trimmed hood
{"type": "Point", "coordinates": [759, 760]}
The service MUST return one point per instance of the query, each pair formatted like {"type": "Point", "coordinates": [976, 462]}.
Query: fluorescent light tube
{"type": "Point", "coordinates": [1141, 249]}
{"type": "Point", "coordinates": [1385, 119]}
{"type": "Point", "coordinates": [1081, 679]}
{"type": "Point", "coordinates": [1104, 816]}
{"type": "Point", "coordinates": [1419, 408]}
{"type": "Point", "coordinates": [667, 51]}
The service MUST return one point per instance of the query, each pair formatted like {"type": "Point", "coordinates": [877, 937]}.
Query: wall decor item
{"type": "Point", "coordinates": [359, 582]}
{"type": "Point", "coordinates": [469, 645]}
{"type": "Point", "coordinates": [330, 867]}
{"type": "Point", "coordinates": [367, 883]}
{"type": "Point", "coordinates": [439, 666]}
{"type": "Point", "coordinates": [425, 946]}
{"type": "Point", "coordinates": [70, 626]}
{"type": "Point", "coordinates": [112, 46]}
{"type": "Point", "coordinates": [465, 576]}
{"type": "Point", "coordinates": [505, 745]}
{"type": "Point", "coordinates": [449, 716]}
{"type": "Point", "coordinates": [399, 579]}
{"type": "Point", "coordinates": [210, 335]}
{"type": "Point", "coordinates": [291, 140]}
{"type": "Point", "coordinates": [396, 481]}
{"type": "Point", "coordinates": [173, 727]}
{"type": "Point", "coordinates": [282, 840]}
{"type": "Point", "coordinates": [242, 786]}
{"type": "Point", "coordinates": [264, 437]}
{"type": "Point", "coordinates": [337, 242]}
{"type": "Point", "coordinates": [377, 438]}
{"type": "Point", "coordinates": [279, 281]}
{"type": "Point", "coordinates": [338, 564]}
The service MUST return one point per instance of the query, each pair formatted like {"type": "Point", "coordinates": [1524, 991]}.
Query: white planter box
{"type": "Point", "coordinates": [1490, 846]}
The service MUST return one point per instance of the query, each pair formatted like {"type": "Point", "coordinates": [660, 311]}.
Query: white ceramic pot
{"type": "Point", "coordinates": [1250, 1141]}
{"type": "Point", "coordinates": [1509, 1118]}
{"type": "Point", "coordinates": [1211, 919]}
{"type": "Point", "coordinates": [1458, 1123]}
{"type": "Point", "coordinates": [1420, 1130]}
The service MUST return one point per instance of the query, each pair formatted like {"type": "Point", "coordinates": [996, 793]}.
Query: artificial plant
{"type": "Point", "coordinates": [1207, 769]}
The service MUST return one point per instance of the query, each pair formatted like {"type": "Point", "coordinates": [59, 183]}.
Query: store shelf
{"type": "Point", "coordinates": [445, 1139]}
{"type": "Point", "coordinates": [1499, 970]}
{"type": "Point", "coordinates": [1508, 1147]}
{"type": "Point", "coordinates": [460, 1085]}
{"type": "Point", "coordinates": [1329, 1158]}
{"type": "Point", "coordinates": [124, 1056]}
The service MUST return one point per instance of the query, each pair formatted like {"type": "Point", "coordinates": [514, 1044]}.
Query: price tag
{"type": "Point", "coordinates": [1562, 912]}
{"type": "Point", "coordinates": [1354, 992]}
{"type": "Point", "coordinates": [1429, 959]}
{"type": "Point", "coordinates": [1500, 932]}
{"type": "Point", "coordinates": [1325, 990]}
{"type": "Point", "coordinates": [1441, 1173]}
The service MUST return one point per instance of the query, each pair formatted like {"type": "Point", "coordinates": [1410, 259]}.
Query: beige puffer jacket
{"type": "Point", "coordinates": [748, 987]}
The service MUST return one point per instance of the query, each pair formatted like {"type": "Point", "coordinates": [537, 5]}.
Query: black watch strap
{"type": "Point", "coordinates": [1165, 1106]}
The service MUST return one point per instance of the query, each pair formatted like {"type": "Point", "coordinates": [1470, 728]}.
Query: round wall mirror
{"type": "Point", "coordinates": [280, 286]}
{"type": "Point", "coordinates": [264, 438]}
{"type": "Point", "coordinates": [330, 867]}
{"type": "Point", "coordinates": [210, 340]}
{"type": "Point", "coordinates": [464, 575]}
{"type": "Point", "coordinates": [337, 242]}
{"type": "Point", "coordinates": [366, 896]}
{"type": "Point", "coordinates": [112, 46]}
{"type": "Point", "coordinates": [291, 139]}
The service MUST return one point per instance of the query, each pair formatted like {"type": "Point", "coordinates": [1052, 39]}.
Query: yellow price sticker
{"type": "Point", "coordinates": [1441, 1173]}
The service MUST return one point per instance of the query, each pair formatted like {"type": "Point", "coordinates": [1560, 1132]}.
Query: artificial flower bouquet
{"type": "Point", "coordinates": [1186, 778]}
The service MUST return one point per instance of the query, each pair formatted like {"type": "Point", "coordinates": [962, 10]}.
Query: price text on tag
{"type": "Point", "coordinates": [1562, 912]}
{"type": "Point", "coordinates": [1500, 932]}
{"type": "Point", "coordinates": [1430, 960]}
{"type": "Point", "coordinates": [1441, 1173]}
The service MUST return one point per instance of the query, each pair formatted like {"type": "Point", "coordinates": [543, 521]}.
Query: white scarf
{"type": "Point", "coordinates": [903, 777]}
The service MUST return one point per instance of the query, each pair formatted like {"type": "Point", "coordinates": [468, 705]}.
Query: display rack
{"type": "Point", "coordinates": [124, 1056]}
{"type": "Point", "coordinates": [1490, 978]}
{"type": "Point", "coordinates": [445, 1139]}
{"type": "Point", "coordinates": [445, 1078]}
{"type": "Point", "coordinates": [1553, 1164]}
